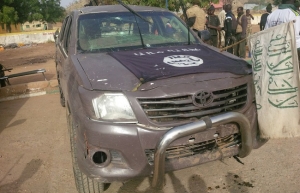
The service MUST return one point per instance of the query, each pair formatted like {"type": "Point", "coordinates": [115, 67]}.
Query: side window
{"type": "Point", "coordinates": [67, 35]}
{"type": "Point", "coordinates": [62, 31]}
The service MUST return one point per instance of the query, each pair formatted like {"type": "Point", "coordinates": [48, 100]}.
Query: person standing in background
{"type": "Point", "coordinates": [213, 25]}
{"type": "Point", "coordinates": [286, 12]}
{"type": "Point", "coordinates": [249, 26]}
{"type": "Point", "coordinates": [230, 24]}
{"type": "Point", "coordinates": [221, 34]}
{"type": "Point", "coordinates": [222, 16]}
{"type": "Point", "coordinates": [196, 15]}
{"type": "Point", "coordinates": [264, 17]}
{"type": "Point", "coordinates": [241, 31]}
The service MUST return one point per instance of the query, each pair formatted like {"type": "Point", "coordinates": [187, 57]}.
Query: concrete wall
{"type": "Point", "coordinates": [27, 38]}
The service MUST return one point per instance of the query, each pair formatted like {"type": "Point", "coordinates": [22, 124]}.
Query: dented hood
{"type": "Point", "coordinates": [106, 73]}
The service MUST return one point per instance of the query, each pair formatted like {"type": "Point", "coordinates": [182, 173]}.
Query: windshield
{"type": "Point", "coordinates": [121, 31]}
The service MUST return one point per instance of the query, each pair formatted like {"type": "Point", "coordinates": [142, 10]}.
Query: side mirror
{"type": "Point", "coordinates": [55, 35]}
{"type": "Point", "coordinates": [204, 35]}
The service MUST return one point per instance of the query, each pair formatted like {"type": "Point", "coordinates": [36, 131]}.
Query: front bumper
{"type": "Point", "coordinates": [126, 145]}
{"type": "Point", "coordinates": [192, 128]}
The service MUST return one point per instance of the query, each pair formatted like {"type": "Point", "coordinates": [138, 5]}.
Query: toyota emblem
{"type": "Point", "coordinates": [203, 98]}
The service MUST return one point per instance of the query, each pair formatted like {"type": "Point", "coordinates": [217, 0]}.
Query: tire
{"type": "Point", "coordinates": [62, 97]}
{"type": "Point", "coordinates": [84, 184]}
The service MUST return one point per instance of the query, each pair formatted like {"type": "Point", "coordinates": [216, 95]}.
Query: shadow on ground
{"type": "Point", "coordinates": [31, 168]}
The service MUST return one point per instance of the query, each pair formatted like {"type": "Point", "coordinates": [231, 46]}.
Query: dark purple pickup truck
{"type": "Point", "coordinates": [144, 96]}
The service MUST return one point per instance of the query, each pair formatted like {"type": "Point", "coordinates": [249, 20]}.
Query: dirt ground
{"type": "Point", "coordinates": [26, 58]}
{"type": "Point", "coordinates": [27, 55]}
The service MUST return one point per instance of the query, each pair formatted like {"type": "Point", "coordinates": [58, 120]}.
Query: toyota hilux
{"type": "Point", "coordinates": [144, 96]}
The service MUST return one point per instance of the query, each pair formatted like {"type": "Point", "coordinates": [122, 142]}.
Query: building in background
{"type": "Point", "coordinates": [27, 26]}
{"type": "Point", "coordinates": [36, 25]}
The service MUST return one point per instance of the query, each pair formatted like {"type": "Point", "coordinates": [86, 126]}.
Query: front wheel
{"type": "Point", "coordinates": [62, 97]}
{"type": "Point", "coordinates": [84, 184]}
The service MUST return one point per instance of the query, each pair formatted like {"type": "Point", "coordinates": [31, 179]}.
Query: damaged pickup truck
{"type": "Point", "coordinates": [144, 96]}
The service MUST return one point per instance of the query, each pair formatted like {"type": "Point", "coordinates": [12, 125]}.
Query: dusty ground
{"type": "Point", "coordinates": [28, 58]}
{"type": "Point", "coordinates": [27, 55]}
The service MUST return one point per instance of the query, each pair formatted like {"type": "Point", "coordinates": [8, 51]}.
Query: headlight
{"type": "Point", "coordinates": [113, 107]}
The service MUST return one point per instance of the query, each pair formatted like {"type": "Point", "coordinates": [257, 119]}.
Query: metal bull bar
{"type": "Point", "coordinates": [195, 127]}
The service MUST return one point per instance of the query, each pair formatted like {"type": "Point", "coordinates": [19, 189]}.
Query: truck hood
{"type": "Point", "coordinates": [106, 73]}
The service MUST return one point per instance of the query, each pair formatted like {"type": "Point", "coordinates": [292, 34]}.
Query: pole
{"type": "Point", "coordinates": [166, 4]}
{"type": "Point", "coordinates": [225, 48]}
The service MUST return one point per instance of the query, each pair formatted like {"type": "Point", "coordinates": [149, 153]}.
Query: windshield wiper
{"type": "Point", "coordinates": [136, 14]}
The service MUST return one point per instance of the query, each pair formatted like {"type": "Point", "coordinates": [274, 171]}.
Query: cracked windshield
{"type": "Point", "coordinates": [103, 32]}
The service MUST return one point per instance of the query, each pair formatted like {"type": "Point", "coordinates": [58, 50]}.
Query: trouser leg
{"type": "Point", "coordinates": [221, 38]}
{"type": "Point", "coordinates": [228, 42]}
{"type": "Point", "coordinates": [214, 40]}
{"type": "Point", "coordinates": [249, 32]}
{"type": "Point", "coordinates": [241, 51]}
{"type": "Point", "coordinates": [237, 47]}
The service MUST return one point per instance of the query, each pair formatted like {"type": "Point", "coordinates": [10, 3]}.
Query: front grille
{"type": "Point", "coordinates": [197, 148]}
{"type": "Point", "coordinates": [181, 108]}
